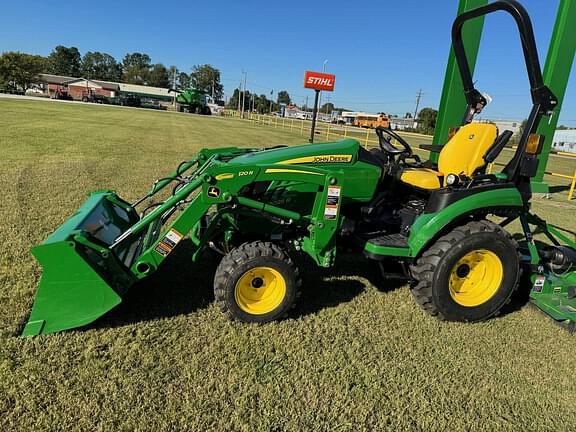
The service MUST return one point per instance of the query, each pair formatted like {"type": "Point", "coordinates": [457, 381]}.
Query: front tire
{"type": "Point", "coordinates": [256, 282]}
{"type": "Point", "coordinates": [468, 274]}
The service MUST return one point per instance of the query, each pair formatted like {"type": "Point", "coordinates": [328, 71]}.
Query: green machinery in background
{"type": "Point", "coordinates": [193, 101]}
{"type": "Point", "coordinates": [556, 75]}
{"type": "Point", "coordinates": [265, 210]}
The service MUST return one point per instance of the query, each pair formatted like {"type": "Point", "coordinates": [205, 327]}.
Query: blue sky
{"type": "Point", "coordinates": [382, 52]}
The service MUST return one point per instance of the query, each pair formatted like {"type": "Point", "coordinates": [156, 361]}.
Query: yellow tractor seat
{"type": "Point", "coordinates": [422, 178]}
{"type": "Point", "coordinates": [462, 155]}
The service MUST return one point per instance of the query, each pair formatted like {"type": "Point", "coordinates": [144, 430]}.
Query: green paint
{"type": "Point", "coordinates": [268, 208]}
{"type": "Point", "coordinates": [386, 250]}
{"type": "Point", "coordinates": [99, 252]}
{"type": "Point", "coordinates": [77, 286]}
{"type": "Point", "coordinates": [556, 76]}
{"type": "Point", "coordinates": [90, 262]}
{"type": "Point", "coordinates": [553, 297]}
{"type": "Point", "coordinates": [427, 226]}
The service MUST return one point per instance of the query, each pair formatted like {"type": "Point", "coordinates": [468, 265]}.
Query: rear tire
{"type": "Point", "coordinates": [468, 274]}
{"type": "Point", "coordinates": [256, 282]}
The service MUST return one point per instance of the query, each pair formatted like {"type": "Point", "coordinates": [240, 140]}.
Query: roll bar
{"type": "Point", "coordinates": [541, 94]}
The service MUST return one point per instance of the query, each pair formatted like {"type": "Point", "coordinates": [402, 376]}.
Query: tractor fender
{"type": "Point", "coordinates": [429, 226]}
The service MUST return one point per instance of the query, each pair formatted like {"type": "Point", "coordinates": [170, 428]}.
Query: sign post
{"type": "Point", "coordinates": [317, 81]}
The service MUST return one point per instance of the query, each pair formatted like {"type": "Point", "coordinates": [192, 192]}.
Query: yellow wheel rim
{"type": "Point", "coordinates": [260, 290]}
{"type": "Point", "coordinates": [476, 277]}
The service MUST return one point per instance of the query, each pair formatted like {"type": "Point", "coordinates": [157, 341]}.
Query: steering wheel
{"type": "Point", "coordinates": [385, 137]}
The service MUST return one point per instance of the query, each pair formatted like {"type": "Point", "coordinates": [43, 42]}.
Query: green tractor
{"type": "Point", "coordinates": [192, 101]}
{"type": "Point", "coordinates": [263, 208]}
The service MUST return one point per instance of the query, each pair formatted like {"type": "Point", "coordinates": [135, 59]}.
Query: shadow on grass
{"type": "Point", "coordinates": [181, 287]}
{"type": "Point", "coordinates": [329, 287]}
{"type": "Point", "coordinates": [178, 287]}
{"type": "Point", "coordinates": [559, 188]}
{"type": "Point", "coordinates": [520, 298]}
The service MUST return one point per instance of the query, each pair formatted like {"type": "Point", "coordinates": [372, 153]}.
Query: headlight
{"type": "Point", "coordinates": [452, 180]}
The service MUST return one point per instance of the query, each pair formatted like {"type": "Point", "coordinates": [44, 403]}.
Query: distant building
{"type": "Point", "coordinates": [397, 123]}
{"type": "Point", "coordinates": [565, 141]}
{"type": "Point", "coordinates": [347, 117]}
{"type": "Point", "coordinates": [297, 113]}
{"type": "Point", "coordinates": [502, 125]}
{"type": "Point", "coordinates": [79, 88]}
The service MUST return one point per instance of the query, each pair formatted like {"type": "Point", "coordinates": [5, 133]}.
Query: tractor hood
{"type": "Point", "coordinates": [339, 152]}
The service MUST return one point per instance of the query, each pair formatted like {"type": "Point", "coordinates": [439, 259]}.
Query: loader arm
{"type": "Point", "coordinates": [92, 260]}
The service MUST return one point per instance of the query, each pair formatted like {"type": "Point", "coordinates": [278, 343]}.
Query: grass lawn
{"type": "Point", "coordinates": [357, 354]}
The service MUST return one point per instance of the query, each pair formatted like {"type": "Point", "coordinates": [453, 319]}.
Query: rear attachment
{"type": "Point", "coordinates": [554, 271]}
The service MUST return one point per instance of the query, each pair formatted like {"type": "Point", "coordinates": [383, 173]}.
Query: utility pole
{"type": "Point", "coordinates": [418, 96]}
{"type": "Point", "coordinates": [327, 102]}
{"type": "Point", "coordinates": [239, 94]}
{"type": "Point", "coordinates": [244, 93]}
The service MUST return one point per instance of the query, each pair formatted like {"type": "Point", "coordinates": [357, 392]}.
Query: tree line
{"type": "Point", "coordinates": [19, 71]}
{"type": "Point", "coordinates": [258, 103]}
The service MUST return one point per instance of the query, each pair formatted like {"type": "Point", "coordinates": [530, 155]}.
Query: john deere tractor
{"type": "Point", "coordinates": [443, 223]}
{"type": "Point", "coordinates": [192, 101]}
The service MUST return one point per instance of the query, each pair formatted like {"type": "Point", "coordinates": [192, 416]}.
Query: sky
{"type": "Point", "coordinates": [382, 52]}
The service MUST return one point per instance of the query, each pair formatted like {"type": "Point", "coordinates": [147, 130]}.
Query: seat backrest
{"type": "Point", "coordinates": [465, 151]}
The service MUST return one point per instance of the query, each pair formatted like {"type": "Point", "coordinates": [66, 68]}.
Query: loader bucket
{"type": "Point", "coordinates": [82, 279]}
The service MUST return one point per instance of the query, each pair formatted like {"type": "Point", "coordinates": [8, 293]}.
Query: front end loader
{"type": "Point", "coordinates": [443, 224]}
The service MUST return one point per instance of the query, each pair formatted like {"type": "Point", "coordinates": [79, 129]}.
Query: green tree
{"type": "Point", "coordinates": [101, 66]}
{"type": "Point", "coordinates": [65, 61]}
{"type": "Point", "coordinates": [233, 101]}
{"type": "Point", "coordinates": [183, 80]}
{"type": "Point", "coordinates": [265, 105]}
{"type": "Point", "coordinates": [136, 68]}
{"type": "Point", "coordinates": [283, 97]}
{"type": "Point", "coordinates": [18, 71]}
{"type": "Point", "coordinates": [327, 108]}
{"type": "Point", "coordinates": [159, 76]}
{"type": "Point", "coordinates": [206, 78]}
{"type": "Point", "coordinates": [427, 118]}
{"type": "Point", "coordinates": [262, 104]}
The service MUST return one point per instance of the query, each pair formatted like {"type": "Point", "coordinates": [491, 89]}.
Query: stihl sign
{"type": "Point", "coordinates": [319, 81]}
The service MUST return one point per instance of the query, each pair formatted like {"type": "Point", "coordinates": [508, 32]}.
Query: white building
{"type": "Point", "coordinates": [565, 141]}
{"type": "Point", "coordinates": [502, 125]}
{"type": "Point", "coordinates": [397, 123]}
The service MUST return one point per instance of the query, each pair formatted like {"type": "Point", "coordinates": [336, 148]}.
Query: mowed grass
{"type": "Point", "coordinates": [356, 355]}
